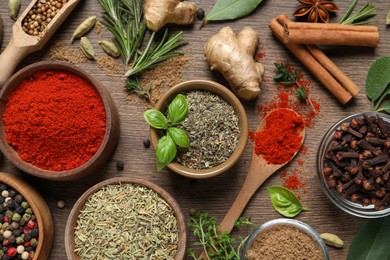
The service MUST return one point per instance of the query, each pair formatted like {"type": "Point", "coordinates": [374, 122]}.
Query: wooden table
{"type": "Point", "coordinates": [216, 195]}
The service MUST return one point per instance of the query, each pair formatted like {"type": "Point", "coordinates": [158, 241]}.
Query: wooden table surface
{"type": "Point", "coordinates": [215, 195]}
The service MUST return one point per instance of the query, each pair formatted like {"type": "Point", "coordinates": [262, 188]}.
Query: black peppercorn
{"type": "Point", "coordinates": [120, 165]}
{"type": "Point", "coordinates": [3, 187]}
{"type": "Point", "coordinates": [28, 249]}
{"type": "Point", "coordinates": [12, 193]}
{"type": "Point", "coordinates": [34, 232]}
{"type": "Point", "coordinates": [27, 237]}
{"type": "Point", "coordinates": [19, 199]}
{"type": "Point", "coordinates": [147, 143]}
{"type": "Point", "coordinates": [19, 209]}
{"type": "Point", "coordinates": [2, 209]}
{"type": "Point", "coordinates": [200, 13]}
{"type": "Point", "coordinates": [11, 203]}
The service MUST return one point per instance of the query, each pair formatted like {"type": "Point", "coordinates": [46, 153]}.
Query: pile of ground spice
{"type": "Point", "coordinates": [99, 28]}
{"type": "Point", "coordinates": [111, 67]}
{"type": "Point", "coordinates": [284, 242]}
{"type": "Point", "coordinates": [62, 53]}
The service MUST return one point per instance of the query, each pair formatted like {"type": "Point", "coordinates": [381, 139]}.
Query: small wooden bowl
{"type": "Point", "coordinates": [41, 211]}
{"type": "Point", "coordinates": [111, 135]}
{"type": "Point", "coordinates": [226, 94]}
{"type": "Point", "coordinates": [73, 216]}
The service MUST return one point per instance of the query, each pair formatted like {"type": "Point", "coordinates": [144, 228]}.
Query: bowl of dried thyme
{"type": "Point", "coordinates": [353, 164]}
{"type": "Point", "coordinates": [126, 218]}
{"type": "Point", "coordinates": [216, 125]}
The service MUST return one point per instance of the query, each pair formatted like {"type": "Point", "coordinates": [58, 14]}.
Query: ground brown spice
{"type": "Point", "coordinates": [62, 53]}
{"type": "Point", "coordinates": [284, 242]}
{"type": "Point", "coordinates": [110, 66]}
{"type": "Point", "coordinates": [99, 28]}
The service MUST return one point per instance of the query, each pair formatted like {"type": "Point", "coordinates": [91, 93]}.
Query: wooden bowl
{"type": "Point", "coordinates": [73, 216]}
{"type": "Point", "coordinates": [111, 135]}
{"type": "Point", "coordinates": [226, 94]}
{"type": "Point", "coordinates": [41, 211]}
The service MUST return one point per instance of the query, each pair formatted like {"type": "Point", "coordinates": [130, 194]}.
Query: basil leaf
{"type": "Point", "coordinates": [231, 9]}
{"type": "Point", "coordinates": [156, 119]}
{"type": "Point", "coordinates": [179, 136]}
{"type": "Point", "coordinates": [378, 77]}
{"type": "Point", "coordinates": [165, 151]}
{"type": "Point", "coordinates": [285, 202]}
{"type": "Point", "coordinates": [178, 109]}
{"type": "Point", "coordinates": [371, 241]}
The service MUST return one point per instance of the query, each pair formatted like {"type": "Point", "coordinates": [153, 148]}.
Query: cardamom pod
{"type": "Point", "coordinates": [13, 8]}
{"type": "Point", "coordinates": [388, 18]}
{"type": "Point", "coordinates": [332, 240]}
{"type": "Point", "coordinates": [87, 48]}
{"type": "Point", "coordinates": [84, 28]}
{"type": "Point", "coordinates": [110, 48]}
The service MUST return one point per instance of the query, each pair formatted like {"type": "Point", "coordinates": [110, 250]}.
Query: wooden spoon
{"type": "Point", "coordinates": [22, 44]}
{"type": "Point", "coordinates": [259, 171]}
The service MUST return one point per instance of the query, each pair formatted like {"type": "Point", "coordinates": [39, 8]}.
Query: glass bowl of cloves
{"type": "Point", "coordinates": [353, 164]}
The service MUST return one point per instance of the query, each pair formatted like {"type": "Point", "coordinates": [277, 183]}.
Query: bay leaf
{"type": "Point", "coordinates": [378, 77]}
{"type": "Point", "coordinates": [371, 241]}
{"type": "Point", "coordinates": [231, 9]}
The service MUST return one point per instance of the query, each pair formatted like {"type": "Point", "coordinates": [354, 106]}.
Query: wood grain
{"type": "Point", "coordinates": [217, 194]}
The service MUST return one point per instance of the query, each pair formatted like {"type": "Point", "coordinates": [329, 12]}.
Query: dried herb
{"type": "Point", "coordinates": [378, 84]}
{"type": "Point", "coordinates": [134, 86]}
{"type": "Point", "coordinates": [371, 241]}
{"type": "Point", "coordinates": [285, 202]}
{"type": "Point", "coordinates": [361, 16]}
{"type": "Point", "coordinates": [166, 146]}
{"type": "Point", "coordinates": [316, 10]}
{"type": "Point", "coordinates": [126, 221]}
{"type": "Point", "coordinates": [213, 128]}
{"type": "Point", "coordinates": [217, 246]}
{"type": "Point", "coordinates": [231, 9]}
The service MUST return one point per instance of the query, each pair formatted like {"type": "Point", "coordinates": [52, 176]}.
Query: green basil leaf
{"type": "Point", "coordinates": [371, 242]}
{"type": "Point", "coordinates": [179, 136]}
{"type": "Point", "coordinates": [378, 77]}
{"type": "Point", "coordinates": [156, 119]}
{"type": "Point", "coordinates": [285, 202]}
{"type": "Point", "coordinates": [178, 109]}
{"type": "Point", "coordinates": [231, 9]}
{"type": "Point", "coordinates": [165, 151]}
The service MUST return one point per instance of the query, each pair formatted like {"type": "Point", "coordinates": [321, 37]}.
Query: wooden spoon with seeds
{"type": "Point", "coordinates": [259, 171]}
{"type": "Point", "coordinates": [22, 44]}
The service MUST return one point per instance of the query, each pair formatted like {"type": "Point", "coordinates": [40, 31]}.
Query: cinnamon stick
{"type": "Point", "coordinates": [329, 26]}
{"type": "Point", "coordinates": [304, 56]}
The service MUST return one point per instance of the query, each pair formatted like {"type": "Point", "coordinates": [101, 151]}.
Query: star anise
{"type": "Point", "coordinates": [316, 9]}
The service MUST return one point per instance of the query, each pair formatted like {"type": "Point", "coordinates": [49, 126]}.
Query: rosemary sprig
{"type": "Point", "coordinates": [361, 16]}
{"type": "Point", "coordinates": [124, 20]}
{"type": "Point", "coordinates": [151, 57]}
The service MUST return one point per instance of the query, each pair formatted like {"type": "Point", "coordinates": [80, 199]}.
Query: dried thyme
{"type": "Point", "coordinates": [213, 128]}
{"type": "Point", "coordinates": [126, 221]}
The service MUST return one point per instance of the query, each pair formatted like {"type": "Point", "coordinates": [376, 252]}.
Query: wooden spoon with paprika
{"type": "Point", "coordinates": [259, 171]}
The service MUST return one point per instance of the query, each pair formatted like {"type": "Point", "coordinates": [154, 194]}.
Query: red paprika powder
{"type": "Point", "coordinates": [55, 120]}
{"type": "Point", "coordinates": [281, 138]}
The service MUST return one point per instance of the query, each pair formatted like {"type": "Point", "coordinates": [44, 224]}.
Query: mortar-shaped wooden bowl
{"type": "Point", "coordinates": [41, 211]}
{"type": "Point", "coordinates": [111, 135]}
{"type": "Point", "coordinates": [74, 214]}
{"type": "Point", "coordinates": [227, 95]}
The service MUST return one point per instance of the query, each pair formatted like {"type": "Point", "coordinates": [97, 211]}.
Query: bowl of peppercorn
{"type": "Point", "coordinates": [353, 164]}
{"type": "Point", "coordinates": [27, 226]}
{"type": "Point", "coordinates": [57, 122]}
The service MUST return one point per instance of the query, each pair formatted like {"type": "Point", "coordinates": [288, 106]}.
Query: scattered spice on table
{"type": "Point", "coordinates": [126, 221]}
{"type": "Point", "coordinates": [55, 120]}
{"type": "Point", "coordinates": [213, 127]}
{"type": "Point", "coordinates": [19, 231]}
{"type": "Point", "coordinates": [99, 28]}
{"type": "Point", "coordinates": [111, 67]}
{"type": "Point", "coordinates": [294, 181]}
{"type": "Point", "coordinates": [280, 139]}
{"type": "Point", "coordinates": [69, 54]}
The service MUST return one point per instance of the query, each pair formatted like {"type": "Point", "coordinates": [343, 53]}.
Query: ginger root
{"type": "Point", "coordinates": [158, 13]}
{"type": "Point", "coordinates": [232, 56]}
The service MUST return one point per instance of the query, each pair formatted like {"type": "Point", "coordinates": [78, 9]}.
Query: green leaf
{"type": "Point", "coordinates": [360, 17]}
{"type": "Point", "coordinates": [178, 109]}
{"type": "Point", "coordinates": [179, 136]}
{"type": "Point", "coordinates": [378, 77]}
{"type": "Point", "coordinates": [285, 202]}
{"type": "Point", "coordinates": [156, 119]}
{"type": "Point", "coordinates": [165, 151]}
{"type": "Point", "coordinates": [231, 9]}
{"type": "Point", "coordinates": [371, 241]}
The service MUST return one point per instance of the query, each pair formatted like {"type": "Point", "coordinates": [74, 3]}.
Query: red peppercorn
{"type": "Point", "coordinates": [26, 229]}
{"type": "Point", "coordinates": [11, 251]}
{"type": "Point", "coordinates": [5, 218]}
{"type": "Point", "coordinates": [6, 242]}
{"type": "Point", "coordinates": [26, 244]}
{"type": "Point", "coordinates": [31, 224]}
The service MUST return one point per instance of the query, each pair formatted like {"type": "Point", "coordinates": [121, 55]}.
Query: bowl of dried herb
{"type": "Point", "coordinates": [215, 123]}
{"type": "Point", "coordinates": [126, 218]}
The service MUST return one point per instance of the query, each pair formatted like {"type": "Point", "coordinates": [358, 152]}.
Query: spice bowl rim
{"type": "Point", "coordinates": [346, 205]}
{"type": "Point", "coordinates": [111, 135]}
{"type": "Point", "coordinates": [40, 209]}
{"type": "Point", "coordinates": [285, 221]}
{"type": "Point", "coordinates": [79, 205]}
{"type": "Point", "coordinates": [228, 96]}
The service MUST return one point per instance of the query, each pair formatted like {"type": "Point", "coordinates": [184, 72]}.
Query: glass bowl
{"type": "Point", "coordinates": [290, 222]}
{"type": "Point", "coordinates": [346, 205]}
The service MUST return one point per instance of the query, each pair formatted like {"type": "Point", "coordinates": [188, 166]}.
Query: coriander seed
{"type": "Point", "coordinates": [61, 204]}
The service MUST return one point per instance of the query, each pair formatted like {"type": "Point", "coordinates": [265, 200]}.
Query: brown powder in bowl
{"type": "Point", "coordinates": [284, 242]}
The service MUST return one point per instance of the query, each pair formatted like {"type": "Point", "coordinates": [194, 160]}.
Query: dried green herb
{"type": "Point", "coordinates": [126, 221]}
{"type": "Point", "coordinates": [285, 202]}
{"type": "Point", "coordinates": [378, 83]}
{"type": "Point", "coordinates": [213, 128]}
{"type": "Point", "coordinates": [231, 9]}
{"type": "Point", "coordinates": [361, 16]}
{"type": "Point", "coordinates": [284, 74]}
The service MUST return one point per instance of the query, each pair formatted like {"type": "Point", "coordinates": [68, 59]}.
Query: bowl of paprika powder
{"type": "Point", "coordinates": [57, 121]}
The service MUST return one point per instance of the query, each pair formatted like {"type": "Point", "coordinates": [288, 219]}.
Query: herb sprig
{"type": "Point", "coordinates": [361, 16]}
